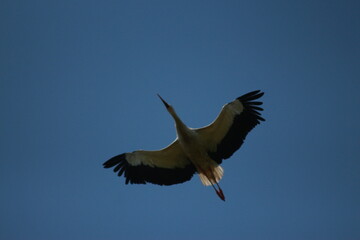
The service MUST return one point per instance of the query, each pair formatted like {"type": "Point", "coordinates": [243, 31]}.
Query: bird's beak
{"type": "Point", "coordinates": [165, 103]}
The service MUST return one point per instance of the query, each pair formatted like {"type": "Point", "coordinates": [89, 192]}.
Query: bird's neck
{"type": "Point", "coordinates": [179, 123]}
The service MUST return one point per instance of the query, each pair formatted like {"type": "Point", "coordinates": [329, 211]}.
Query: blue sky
{"type": "Point", "coordinates": [78, 85]}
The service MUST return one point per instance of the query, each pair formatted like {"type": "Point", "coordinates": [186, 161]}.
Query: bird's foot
{"type": "Point", "coordinates": [220, 194]}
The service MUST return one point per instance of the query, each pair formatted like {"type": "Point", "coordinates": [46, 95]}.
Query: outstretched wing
{"type": "Point", "coordinates": [227, 133]}
{"type": "Point", "coordinates": [164, 167]}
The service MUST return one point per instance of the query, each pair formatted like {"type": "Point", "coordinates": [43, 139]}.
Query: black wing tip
{"type": "Point", "coordinates": [261, 119]}
{"type": "Point", "coordinates": [251, 96]}
{"type": "Point", "coordinates": [253, 106]}
{"type": "Point", "coordinates": [114, 161]}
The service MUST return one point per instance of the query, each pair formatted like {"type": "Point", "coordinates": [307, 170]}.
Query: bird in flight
{"type": "Point", "coordinates": [195, 150]}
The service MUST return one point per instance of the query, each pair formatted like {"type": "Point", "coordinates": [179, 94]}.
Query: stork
{"type": "Point", "coordinates": [195, 150]}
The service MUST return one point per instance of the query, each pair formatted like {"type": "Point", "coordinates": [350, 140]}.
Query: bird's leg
{"type": "Point", "coordinates": [218, 192]}
{"type": "Point", "coordinates": [212, 181]}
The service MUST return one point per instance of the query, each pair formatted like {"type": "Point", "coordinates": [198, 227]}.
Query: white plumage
{"type": "Point", "coordinates": [198, 150]}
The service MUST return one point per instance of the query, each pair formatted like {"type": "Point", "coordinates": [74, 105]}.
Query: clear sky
{"type": "Point", "coordinates": [78, 85]}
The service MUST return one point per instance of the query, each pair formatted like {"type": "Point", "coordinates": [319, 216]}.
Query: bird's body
{"type": "Point", "coordinates": [195, 150]}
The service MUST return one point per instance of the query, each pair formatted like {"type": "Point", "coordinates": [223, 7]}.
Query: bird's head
{"type": "Point", "coordinates": [172, 112]}
{"type": "Point", "coordinates": [164, 102]}
{"type": "Point", "coordinates": [169, 108]}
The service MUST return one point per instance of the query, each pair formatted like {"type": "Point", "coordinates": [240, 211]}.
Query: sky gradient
{"type": "Point", "coordinates": [78, 85]}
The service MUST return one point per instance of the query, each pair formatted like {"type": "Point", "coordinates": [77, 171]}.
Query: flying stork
{"type": "Point", "coordinates": [195, 150]}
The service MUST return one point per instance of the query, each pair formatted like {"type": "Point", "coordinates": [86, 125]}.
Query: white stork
{"type": "Point", "coordinates": [198, 150]}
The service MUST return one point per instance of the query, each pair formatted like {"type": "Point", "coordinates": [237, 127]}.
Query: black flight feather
{"type": "Point", "coordinates": [243, 123]}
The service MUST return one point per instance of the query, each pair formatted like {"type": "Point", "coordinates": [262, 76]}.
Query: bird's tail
{"type": "Point", "coordinates": [212, 175]}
